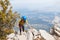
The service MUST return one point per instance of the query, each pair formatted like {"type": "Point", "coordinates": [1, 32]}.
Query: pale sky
{"type": "Point", "coordinates": [40, 5]}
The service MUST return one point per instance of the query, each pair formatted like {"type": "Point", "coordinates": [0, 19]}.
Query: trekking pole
{"type": "Point", "coordinates": [30, 26]}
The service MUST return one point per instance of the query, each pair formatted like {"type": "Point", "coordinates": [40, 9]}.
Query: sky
{"type": "Point", "coordinates": [37, 5]}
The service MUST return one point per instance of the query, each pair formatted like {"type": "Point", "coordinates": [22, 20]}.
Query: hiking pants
{"type": "Point", "coordinates": [21, 28]}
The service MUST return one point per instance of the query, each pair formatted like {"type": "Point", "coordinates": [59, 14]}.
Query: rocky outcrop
{"type": "Point", "coordinates": [55, 31]}
{"type": "Point", "coordinates": [31, 34]}
{"type": "Point", "coordinates": [46, 35]}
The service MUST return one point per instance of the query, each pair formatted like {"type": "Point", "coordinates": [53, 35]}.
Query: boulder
{"type": "Point", "coordinates": [35, 32]}
{"type": "Point", "coordinates": [29, 35]}
{"type": "Point", "coordinates": [46, 35]}
{"type": "Point", "coordinates": [55, 30]}
{"type": "Point", "coordinates": [10, 36]}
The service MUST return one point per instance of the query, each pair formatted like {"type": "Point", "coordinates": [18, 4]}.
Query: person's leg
{"type": "Point", "coordinates": [20, 30]}
{"type": "Point", "coordinates": [23, 28]}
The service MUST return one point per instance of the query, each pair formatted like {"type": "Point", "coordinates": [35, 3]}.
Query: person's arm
{"type": "Point", "coordinates": [26, 22]}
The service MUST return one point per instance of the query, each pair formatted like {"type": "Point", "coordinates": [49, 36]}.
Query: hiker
{"type": "Point", "coordinates": [21, 23]}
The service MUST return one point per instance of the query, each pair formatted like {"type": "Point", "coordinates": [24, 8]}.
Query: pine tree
{"type": "Point", "coordinates": [7, 19]}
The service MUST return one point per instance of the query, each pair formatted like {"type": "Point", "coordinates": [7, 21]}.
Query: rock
{"type": "Point", "coordinates": [46, 35]}
{"type": "Point", "coordinates": [56, 37]}
{"type": "Point", "coordinates": [56, 20]}
{"type": "Point", "coordinates": [9, 39]}
{"type": "Point", "coordinates": [22, 37]}
{"type": "Point", "coordinates": [29, 35]}
{"type": "Point", "coordinates": [56, 27]}
{"type": "Point", "coordinates": [35, 32]}
{"type": "Point", "coordinates": [14, 36]}
{"type": "Point", "coordinates": [51, 31]}
{"type": "Point", "coordinates": [57, 32]}
{"type": "Point", "coordinates": [38, 37]}
{"type": "Point", "coordinates": [10, 36]}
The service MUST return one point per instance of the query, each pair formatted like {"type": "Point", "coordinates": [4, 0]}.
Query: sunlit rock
{"type": "Point", "coordinates": [46, 35]}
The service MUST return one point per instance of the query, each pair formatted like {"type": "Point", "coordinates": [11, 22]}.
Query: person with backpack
{"type": "Point", "coordinates": [22, 22]}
